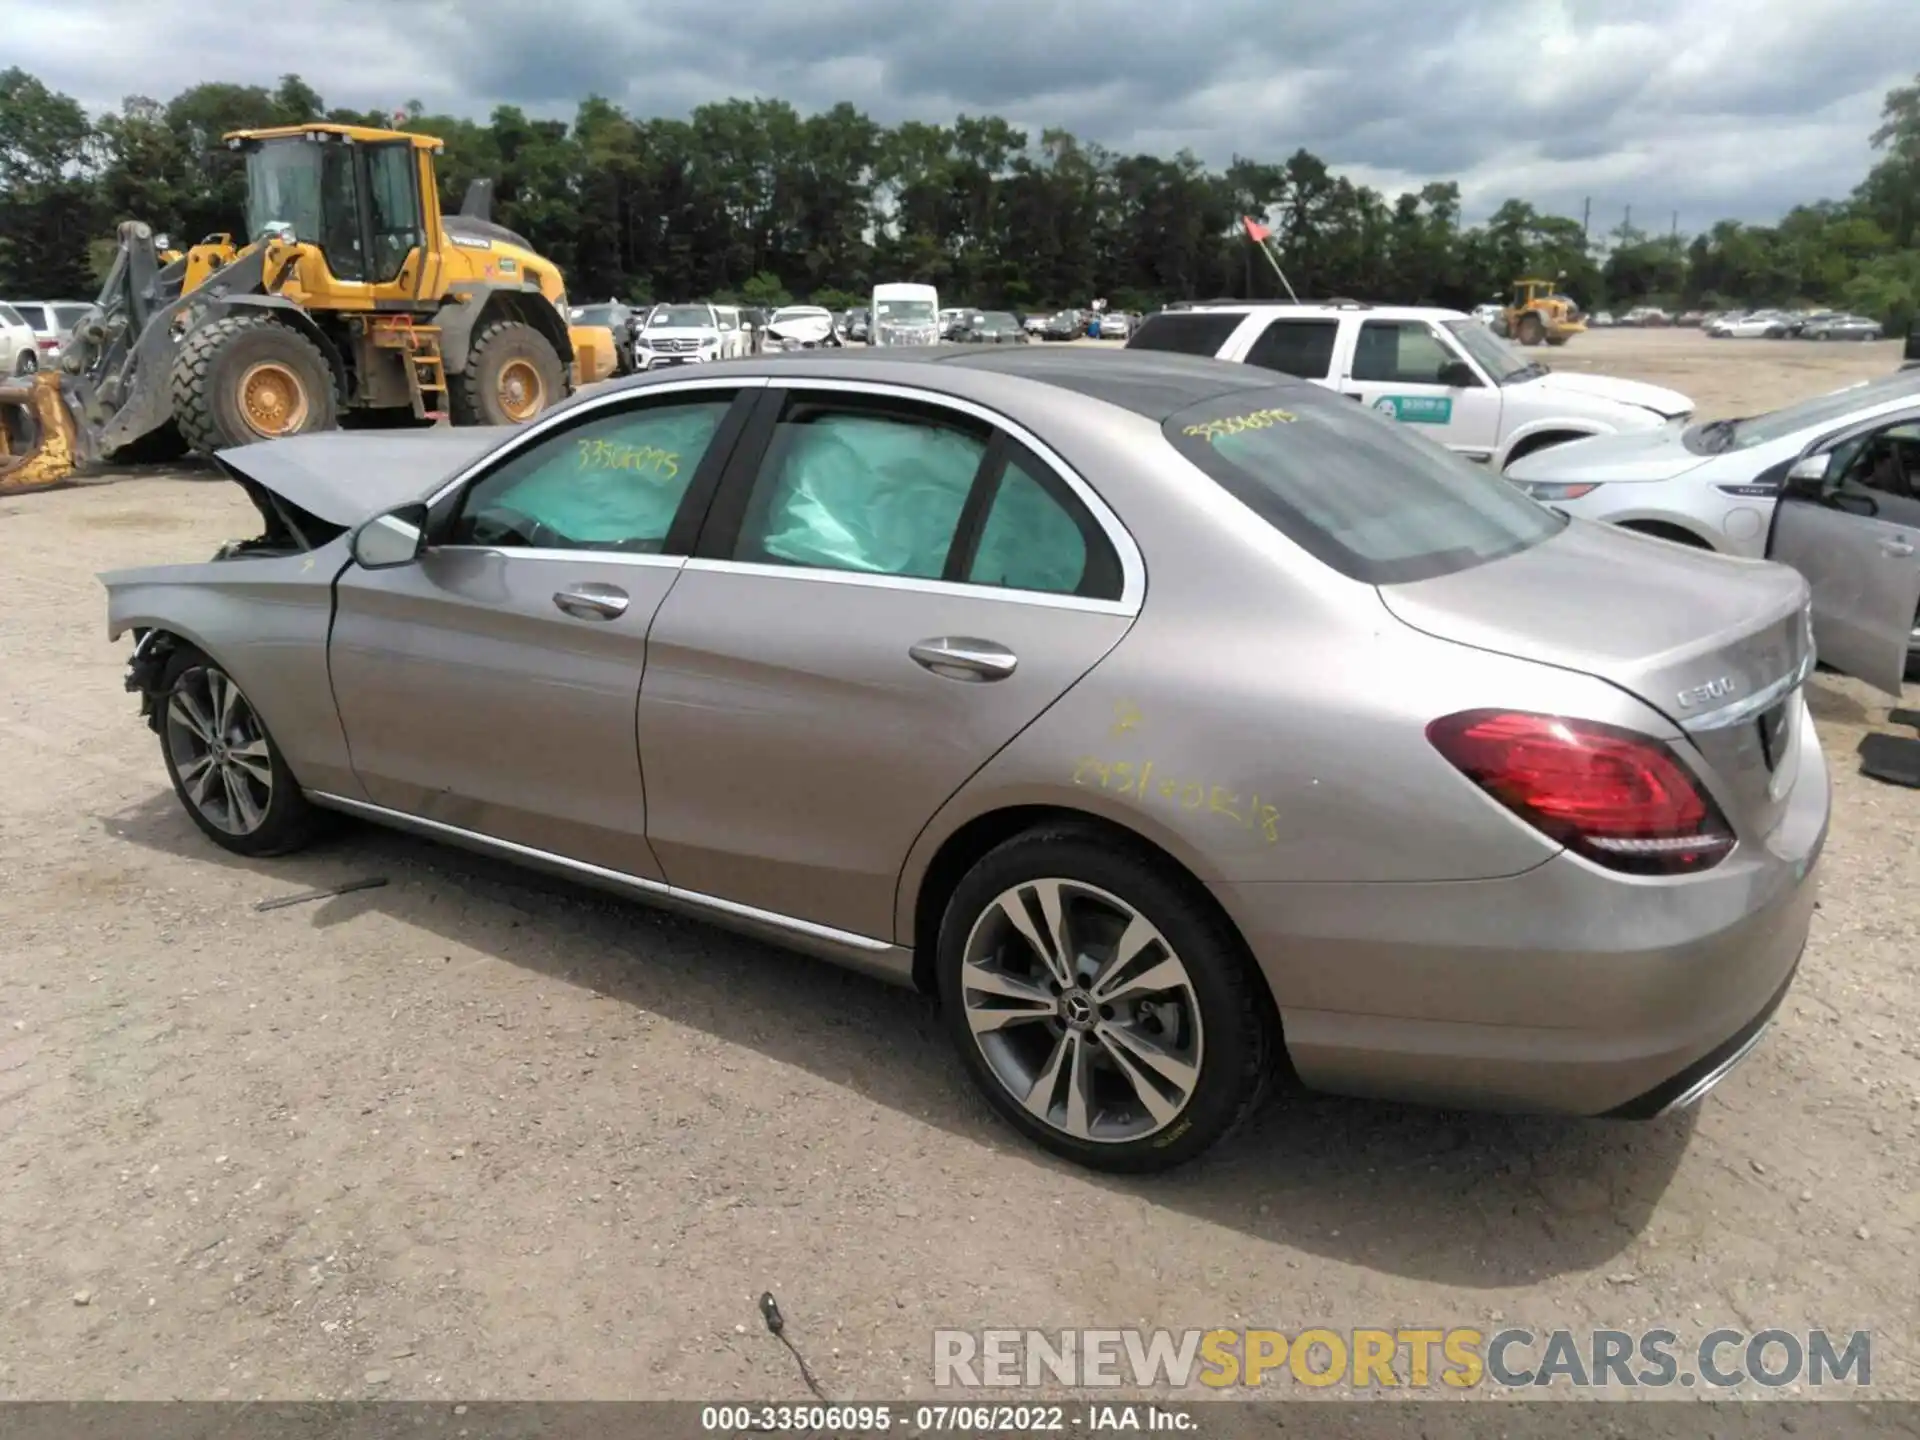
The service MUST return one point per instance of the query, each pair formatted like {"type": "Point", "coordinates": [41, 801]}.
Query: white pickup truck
{"type": "Point", "coordinates": [1439, 369]}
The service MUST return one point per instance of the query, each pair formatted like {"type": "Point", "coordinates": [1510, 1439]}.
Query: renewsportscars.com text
{"type": "Point", "coordinates": [1456, 1358]}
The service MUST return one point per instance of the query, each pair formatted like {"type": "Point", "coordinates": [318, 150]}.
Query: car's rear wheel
{"type": "Point", "coordinates": [27, 364]}
{"type": "Point", "coordinates": [225, 768]}
{"type": "Point", "coordinates": [1103, 1007]}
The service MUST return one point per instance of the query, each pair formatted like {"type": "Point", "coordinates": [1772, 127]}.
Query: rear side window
{"type": "Point", "coordinates": [1354, 490]}
{"type": "Point", "coordinates": [1036, 536]}
{"type": "Point", "coordinates": [1185, 332]}
{"type": "Point", "coordinates": [1303, 348]}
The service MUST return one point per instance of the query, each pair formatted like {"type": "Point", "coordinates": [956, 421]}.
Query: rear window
{"type": "Point", "coordinates": [68, 316]}
{"type": "Point", "coordinates": [1354, 490]}
{"type": "Point", "coordinates": [1185, 332]}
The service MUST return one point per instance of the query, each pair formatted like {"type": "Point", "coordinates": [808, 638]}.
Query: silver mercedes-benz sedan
{"type": "Point", "coordinates": [1175, 725]}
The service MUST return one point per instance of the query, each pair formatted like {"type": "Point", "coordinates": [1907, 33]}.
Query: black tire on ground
{"type": "Point", "coordinates": [506, 351]}
{"type": "Point", "coordinates": [27, 363]}
{"type": "Point", "coordinates": [1530, 330]}
{"type": "Point", "coordinates": [217, 360]}
{"type": "Point", "coordinates": [289, 822]}
{"type": "Point", "coordinates": [1238, 1028]}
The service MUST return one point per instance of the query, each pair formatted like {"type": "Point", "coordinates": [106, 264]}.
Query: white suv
{"type": "Point", "coordinates": [1439, 369]}
{"type": "Point", "coordinates": [678, 335]}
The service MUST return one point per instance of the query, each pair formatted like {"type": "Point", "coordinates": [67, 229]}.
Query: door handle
{"type": "Point", "coordinates": [592, 601]}
{"type": "Point", "coordinates": [958, 657]}
{"type": "Point", "coordinates": [1898, 549]}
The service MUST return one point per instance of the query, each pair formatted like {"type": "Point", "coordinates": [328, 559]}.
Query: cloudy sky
{"type": "Point", "coordinates": [1712, 108]}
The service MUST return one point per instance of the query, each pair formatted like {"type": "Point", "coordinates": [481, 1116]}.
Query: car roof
{"type": "Point", "coordinates": [1323, 307]}
{"type": "Point", "coordinates": [1152, 383]}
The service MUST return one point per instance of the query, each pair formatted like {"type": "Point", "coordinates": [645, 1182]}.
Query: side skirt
{"type": "Point", "coordinates": [878, 958]}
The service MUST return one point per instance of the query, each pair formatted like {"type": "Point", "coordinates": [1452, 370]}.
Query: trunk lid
{"type": "Point", "coordinates": [1718, 645]}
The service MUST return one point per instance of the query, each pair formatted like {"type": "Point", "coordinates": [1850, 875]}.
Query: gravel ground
{"type": "Point", "coordinates": [477, 1134]}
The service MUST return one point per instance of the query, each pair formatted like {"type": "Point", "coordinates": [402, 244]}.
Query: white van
{"type": "Point", "coordinates": [905, 314]}
{"type": "Point", "coordinates": [733, 334]}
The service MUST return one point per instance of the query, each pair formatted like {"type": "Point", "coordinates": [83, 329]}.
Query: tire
{"type": "Point", "coordinates": [1530, 330]}
{"type": "Point", "coordinates": [1218, 1016]}
{"type": "Point", "coordinates": [503, 352]}
{"type": "Point", "coordinates": [27, 364]}
{"type": "Point", "coordinates": [221, 361]}
{"type": "Point", "coordinates": [281, 819]}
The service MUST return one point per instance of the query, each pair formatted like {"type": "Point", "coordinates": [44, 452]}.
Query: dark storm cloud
{"type": "Point", "coordinates": [1709, 107]}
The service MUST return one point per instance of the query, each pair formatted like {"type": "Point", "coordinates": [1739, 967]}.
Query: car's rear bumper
{"type": "Point", "coordinates": [1561, 990]}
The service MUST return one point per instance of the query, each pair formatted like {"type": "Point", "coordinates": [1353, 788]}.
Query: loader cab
{"type": "Point", "coordinates": [364, 198]}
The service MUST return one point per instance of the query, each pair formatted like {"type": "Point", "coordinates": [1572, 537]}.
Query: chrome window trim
{"type": "Point", "coordinates": [582, 557]}
{"type": "Point", "coordinates": [1133, 569]}
{"type": "Point", "coordinates": [1741, 711]}
{"type": "Point", "coordinates": [958, 589]}
{"type": "Point", "coordinates": [558, 418]}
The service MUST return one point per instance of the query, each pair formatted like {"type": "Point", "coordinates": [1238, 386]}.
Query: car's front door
{"type": "Point", "coordinates": [490, 685]}
{"type": "Point", "coordinates": [1855, 534]}
{"type": "Point", "coordinates": [891, 586]}
{"type": "Point", "coordinates": [1409, 372]}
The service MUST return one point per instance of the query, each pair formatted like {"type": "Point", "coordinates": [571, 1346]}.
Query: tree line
{"type": "Point", "coordinates": [751, 200]}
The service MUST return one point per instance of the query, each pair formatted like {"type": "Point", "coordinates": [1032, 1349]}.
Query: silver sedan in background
{"type": "Point", "coordinates": [1175, 725]}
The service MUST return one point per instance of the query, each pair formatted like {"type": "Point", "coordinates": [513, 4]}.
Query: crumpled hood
{"type": "Point", "coordinates": [1632, 455]}
{"type": "Point", "coordinates": [344, 477]}
{"type": "Point", "coordinates": [807, 329]}
{"type": "Point", "coordinates": [1663, 402]}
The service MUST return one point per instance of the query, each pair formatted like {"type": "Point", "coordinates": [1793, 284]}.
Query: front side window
{"type": "Point", "coordinates": [1399, 352]}
{"type": "Point", "coordinates": [613, 483]}
{"type": "Point", "coordinates": [283, 188]}
{"type": "Point", "coordinates": [876, 490]}
{"type": "Point", "coordinates": [1354, 490]}
{"type": "Point", "coordinates": [1496, 357]}
{"type": "Point", "coordinates": [1302, 348]}
{"type": "Point", "coordinates": [1878, 467]}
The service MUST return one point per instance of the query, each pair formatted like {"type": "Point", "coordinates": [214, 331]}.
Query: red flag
{"type": "Point", "coordinates": [1256, 232]}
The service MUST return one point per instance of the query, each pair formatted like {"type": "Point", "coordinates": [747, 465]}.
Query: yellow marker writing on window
{"type": "Point", "coordinates": [1239, 424]}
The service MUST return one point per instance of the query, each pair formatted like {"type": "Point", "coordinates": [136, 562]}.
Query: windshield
{"type": "Point", "coordinates": [681, 317]}
{"type": "Point", "coordinates": [904, 312]}
{"type": "Point", "coordinates": [283, 188]}
{"type": "Point", "coordinates": [1499, 359]}
{"type": "Point", "coordinates": [597, 314]}
{"type": "Point", "coordinates": [1721, 435]}
{"type": "Point", "coordinates": [1359, 493]}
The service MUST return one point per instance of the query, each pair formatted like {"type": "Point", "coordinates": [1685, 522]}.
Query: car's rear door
{"type": "Point", "coordinates": [891, 586]}
{"type": "Point", "coordinates": [490, 685]}
{"type": "Point", "coordinates": [1855, 535]}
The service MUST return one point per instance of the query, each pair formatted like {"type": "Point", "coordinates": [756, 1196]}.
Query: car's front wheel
{"type": "Point", "coordinates": [225, 768]}
{"type": "Point", "coordinates": [1103, 1007]}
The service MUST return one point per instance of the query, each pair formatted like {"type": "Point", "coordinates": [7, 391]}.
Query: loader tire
{"type": "Point", "coordinates": [512, 374]}
{"type": "Point", "coordinates": [1531, 330]}
{"type": "Point", "coordinates": [244, 378]}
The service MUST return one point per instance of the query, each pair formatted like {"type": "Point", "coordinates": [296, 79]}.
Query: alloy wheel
{"type": "Point", "coordinates": [219, 751]}
{"type": "Point", "coordinates": [1082, 1011]}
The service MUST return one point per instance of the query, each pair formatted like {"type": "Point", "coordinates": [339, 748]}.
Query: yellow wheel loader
{"type": "Point", "coordinates": [354, 301]}
{"type": "Point", "coordinates": [1539, 313]}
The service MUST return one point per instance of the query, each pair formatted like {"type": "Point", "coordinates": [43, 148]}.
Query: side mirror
{"type": "Point", "coordinates": [392, 539]}
{"type": "Point", "coordinates": [1809, 475]}
{"type": "Point", "coordinates": [1457, 375]}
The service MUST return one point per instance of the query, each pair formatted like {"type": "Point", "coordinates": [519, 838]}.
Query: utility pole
{"type": "Point", "coordinates": [1626, 224]}
{"type": "Point", "coordinates": [1586, 215]}
{"type": "Point", "coordinates": [1676, 227]}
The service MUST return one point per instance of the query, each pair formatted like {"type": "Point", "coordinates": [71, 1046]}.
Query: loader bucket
{"type": "Point", "coordinates": [40, 445]}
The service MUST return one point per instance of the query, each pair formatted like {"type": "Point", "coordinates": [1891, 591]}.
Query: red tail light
{"type": "Point", "coordinates": [1621, 799]}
